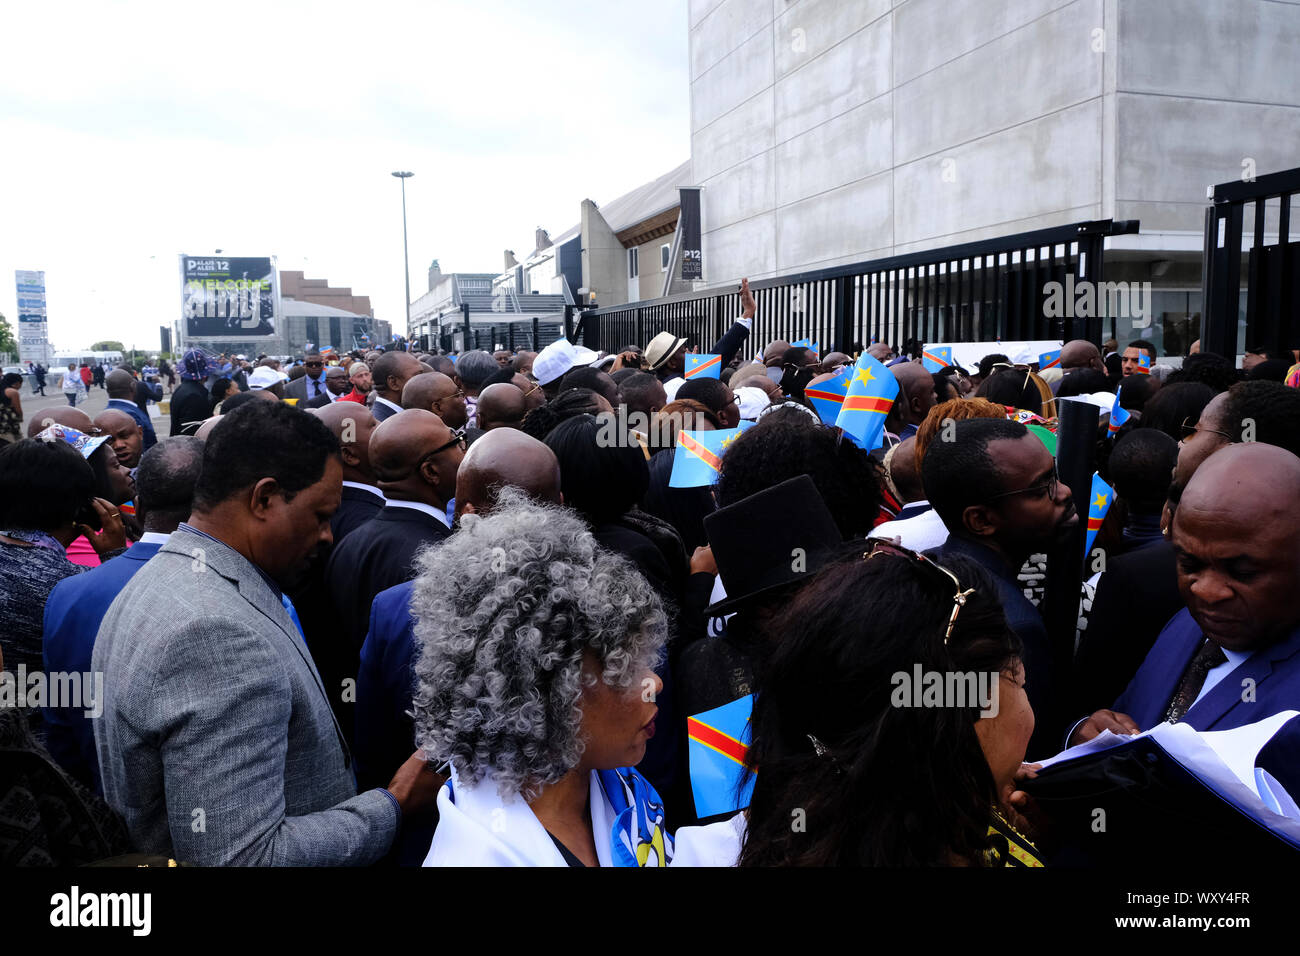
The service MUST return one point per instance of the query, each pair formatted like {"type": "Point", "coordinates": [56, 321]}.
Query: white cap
{"type": "Point", "coordinates": [752, 402]}
{"type": "Point", "coordinates": [557, 358]}
{"type": "Point", "coordinates": [1104, 400]}
{"type": "Point", "coordinates": [263, 377]}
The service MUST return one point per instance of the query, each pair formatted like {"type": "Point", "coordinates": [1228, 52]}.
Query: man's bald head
{"type": "Point", "coordinates": [915, 392]}
{"type": "Point", "coordinates": [437, 393]}
{"type": "Point", "coordinates": [523, 362]}
{"type": "Point", "coordinates": [1080, 353]}
{"type": "Point", "coordinates": [391, 372]}
{"type": "Point", "coordinates": [402, 454]}
{"type": "Point", "coordinates": [205, 429]}
{"type": "Point", "coordinates": [500, 406]}
{"type": "Point", "coordinates": [64, 415]}
{"type": "Point", "coordinates": [506, 458]}
{"type": "Point", "coordinates": [773, 353]}
{"type": "Point", "coordinates": [352, 424]}
{"type": "Point", "coordinates": [903, 471]}
{"type": "Point", "coordinates": [533, 395]}
{"type": "Point", "coordinates": [120, 384]}
{"type": "Point", "coordinates": [1237, 537]}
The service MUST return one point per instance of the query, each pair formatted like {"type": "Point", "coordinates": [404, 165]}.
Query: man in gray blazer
{"type": "Point", "coordinates": [217, 743]}
{"type": "Point", "coordinates": [310, 385]}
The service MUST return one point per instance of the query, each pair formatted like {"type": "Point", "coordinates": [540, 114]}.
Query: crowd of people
{"type": "Point", "coordinates": [401, 608]}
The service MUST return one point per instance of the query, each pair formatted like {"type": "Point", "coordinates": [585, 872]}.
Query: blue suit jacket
{"type": "Point", "coordinates": [385, 734]}
{"type": "Point", "coordinates": [72, 618]}
{"type": "Point", "coordinates": [142, 419]}
{"type": "Point", "coordinates": [1275, 671]}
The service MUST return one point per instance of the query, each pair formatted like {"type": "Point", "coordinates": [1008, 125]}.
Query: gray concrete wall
{"type": "Point", "coordinates": [829, 131]}
{"type": "Point", "coordinates": [604, 260]}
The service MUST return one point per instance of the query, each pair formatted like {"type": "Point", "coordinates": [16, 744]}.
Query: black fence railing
{"type": "Point", "coordinates": [531, 334]}
{"type": "Point", "coordinates": [978, 291]}
{"type": "Point", "coordinates": [1272, 311]}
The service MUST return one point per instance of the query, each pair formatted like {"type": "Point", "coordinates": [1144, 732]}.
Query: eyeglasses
{"type": "Point", "coordinates": [314, 364]}
{"type": "Point", "coordinates": [536, 386]}
{"type": "Point", "coordinates": [457, 438]}
{"type": "Point", "coordinates": [1048, 488]}
{"type": "Point", "coordinates": [882, 546]}
{"type": "Point", "coordinates": [459, 393]}
{"type": "Point", "coordinates": [1190, 428]}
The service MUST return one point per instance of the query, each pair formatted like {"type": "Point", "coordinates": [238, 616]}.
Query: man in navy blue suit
{"type": "Point", "coordinates": [503, 457]}
{"type": "Point", "coordinates": [121, 396]}
{"type": "Point", "coordinates": [1232, 656]}
{"type": "Point", "coordinates": [165, 488]}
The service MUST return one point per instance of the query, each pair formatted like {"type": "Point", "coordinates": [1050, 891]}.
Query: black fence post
{"type": "Point", "coordinates": [568, 323]}
{"type": "Point", "coordinates": [464, 311]}
{"type": "Point", "coordinates": [843, 315]}
{"type": "Point", "coordinates": [536, 334]}
{"type": "Point", "coordinates": [1076, 460]}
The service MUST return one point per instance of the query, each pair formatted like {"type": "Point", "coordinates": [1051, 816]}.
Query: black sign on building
{"type": "Point", "coordinates": [692, 254]}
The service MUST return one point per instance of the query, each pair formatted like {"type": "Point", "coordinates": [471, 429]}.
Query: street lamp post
{"type": "Point", "coordinates": [406, 256]}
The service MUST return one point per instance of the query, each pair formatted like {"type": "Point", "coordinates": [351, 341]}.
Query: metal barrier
{"type": "Point", "coordinates": [977, 291]}
{"type": "Point", "coordinates": [1272, 313]}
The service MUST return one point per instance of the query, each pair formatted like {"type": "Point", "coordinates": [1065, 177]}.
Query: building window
{"type": "Point", "coordinates": [665, 255]}
{"type": "Point", "coordinates": [633, 263]}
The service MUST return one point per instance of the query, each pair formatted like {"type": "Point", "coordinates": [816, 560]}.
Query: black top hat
{"type": "Point", "coordinates": [757, 555]}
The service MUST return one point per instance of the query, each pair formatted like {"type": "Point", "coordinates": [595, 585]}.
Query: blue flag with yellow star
{"type": "Point", "coordinates": [1098, 504]}
{"type": "Point", "coordinates": [1144, 364]}
{"type": "Point", "coordinates": [1118, 414]}
{"type": "Point", "coordinates": [871, 394]}
{"type": "Point", "coordinates": [702, 366]}
{"type": "Point", "coordinates": [807, 344]}
{"type": "Point", "coordinates": [717, 743]}
{"type": "Point", "coordinates": [936, 358]}
{"type": "Point", "coordinates": [1048, 360]}
{"type": "Point", "coordinates": [828, 397]}
{"type": "Point", "coordinates": [699, 455]}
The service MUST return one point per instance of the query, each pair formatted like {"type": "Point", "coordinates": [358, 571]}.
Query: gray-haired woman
{"type": "Point", "coordinates": [535, 683]}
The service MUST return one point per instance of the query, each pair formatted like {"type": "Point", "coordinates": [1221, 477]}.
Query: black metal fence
{"type": "Point", "coordinates": [532, 334]}
{"type": "Point", "coordinates": [1272, 315]}
{"type": "Point", "coordinates": [978, 291]}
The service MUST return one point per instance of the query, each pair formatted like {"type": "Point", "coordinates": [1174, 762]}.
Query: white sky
{"type": "Point", "coordinates": [131, 132]}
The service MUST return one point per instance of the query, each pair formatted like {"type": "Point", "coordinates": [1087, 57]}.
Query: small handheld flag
{"type": "Point", "coordinates": [828, 397]}
{"type": "Point", "coordinates": [1049, 360]}
{"type": "Point", "coordinates": [1118, 415]}
{"type": "Point", "coordinates": [717, 742]}
{"type": "Point", "coordinates": [1144, 364]}
{"type": "Point", "coordinates": [871, 394]}
{"type": "Point", "coordinates": [699, 455]}
{"type": "Point", "coordinates": [702, 366]}
{"type": "Point", "coordinates": [807, 344]}
{"type": "Point", "coordinates": [936, 358]}
{"type": "Point", "coordinates": [1098, 504]}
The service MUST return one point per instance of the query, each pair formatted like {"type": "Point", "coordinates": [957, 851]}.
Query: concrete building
{"type": "Point", "coordinates": [832, 131]}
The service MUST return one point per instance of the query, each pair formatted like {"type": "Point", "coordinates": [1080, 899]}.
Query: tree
{"type": "Point", "coordinates": [7, 341]}
{"type": "Point", "coordinates": [108, 347]}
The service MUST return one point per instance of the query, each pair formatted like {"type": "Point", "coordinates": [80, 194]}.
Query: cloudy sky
{"type": "Point", "coordinates": [136, 131]}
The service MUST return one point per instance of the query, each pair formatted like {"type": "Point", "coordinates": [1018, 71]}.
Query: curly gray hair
{"type": "Point", "coordinates": [504, 610]}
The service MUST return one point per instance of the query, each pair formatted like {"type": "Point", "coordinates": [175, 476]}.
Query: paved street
{"type": "Point", "coordinates": [92, 405]}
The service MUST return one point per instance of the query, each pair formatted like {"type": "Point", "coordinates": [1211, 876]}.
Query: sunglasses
{"type": "Point", "coordinates": [878, 546]}
{"type": "Point", "coordinates": [1048, 487]}
{"type": "Point", "coordinates": [314, 364]}
{"type": "Point", "coordinates": [1190, 428]}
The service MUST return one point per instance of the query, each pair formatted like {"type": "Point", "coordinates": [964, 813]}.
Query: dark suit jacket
{"type": "Point", "coordinates": [73, 613]}
{"type": "Point", "coordinates": [376, 556]}
{"type": "Point", "coordinates": [320, 401]}
{"type": "Point", "coordinates": [1136, 597]}
{"type": "Point", "coordinates": [1024, 619]}
{"type": "Point", "coordinates": [300, 389]}
{"type": "Point", "coordinates": [683, 508]}
{"type": "Point", "coordinates": [1275, 671]}
{"type": "Point", "coordinates": [145, 393]}
{"type": "Point", "coordinates": [141, 418]}
{"type": "Point", "coordinates": [380, 410]}
{"type": "Point", "coordinates": [356, 509]}
{"type": "Point", "coordinates": [191, 402]}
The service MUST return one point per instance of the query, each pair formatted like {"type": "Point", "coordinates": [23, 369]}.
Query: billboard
{"type": "Point", "coordinates": [33, 329]}
{"type": "Point", "coordinates": [692, 254]}
{"type": "Point", "coordinates": [224, 297]}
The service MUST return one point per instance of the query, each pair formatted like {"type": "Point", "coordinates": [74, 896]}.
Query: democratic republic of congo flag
{"type": "Point", "coordinates": [1118, 415]}
{"type": "Point", "coordinates": [1098, 504]}
{"type": "Point", "coordinates": [699, 454]}
{"type": "Point", "coordinates": [717, 741]}
{"type": "Point", "coordinates": [1144, 364]}
{"type": "Point", "coordinates": [702, 366]}
{"type": "Point", "coordinates": [1049, 360]}
{"type": "Point", "coordinates": [936, 358]}
{"type": "Point", "coordinates": [807, 344]}
{"type": "Point", "coordinates": [872, 389]}
{"type": "Point", "coordinates": [828, 397]}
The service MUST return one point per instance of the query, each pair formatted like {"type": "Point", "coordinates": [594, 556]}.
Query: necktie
{"type": "Point", "coordinates": [316, 385]}
{"type": "Point", "coordinates": [1207, 658]}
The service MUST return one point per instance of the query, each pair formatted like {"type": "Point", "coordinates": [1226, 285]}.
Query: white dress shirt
{"type": "Point", "coordinates": [396, 408]}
